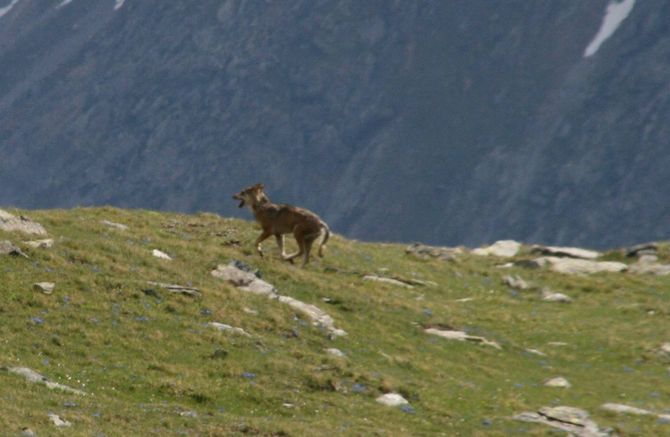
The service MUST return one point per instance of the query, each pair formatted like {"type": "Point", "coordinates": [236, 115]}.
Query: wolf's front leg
{"type": "Point", "coordinates": [259, 240]}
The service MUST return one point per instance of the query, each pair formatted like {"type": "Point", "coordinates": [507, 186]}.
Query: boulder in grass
{"type": "Point", "coordinates": [392, 400]}
{"type": "Point", "coordinates": [11, 223]}
{"type": "Point", "coordinates": [502, 248]}
{"type": "Point", "coordinates": [573, 266]}
{"type": "Point", "coordinates": [40, 244]}
{"type": "Point", "coordinates": [7, 248]}
{"type": "Point", "coordinates": [44, 287]}
{"type": "Point", "coordinates": [566, 252]}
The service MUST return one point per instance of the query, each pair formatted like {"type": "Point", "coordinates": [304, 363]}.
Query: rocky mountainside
{"type": "Point", "coordinates": [447, 122]}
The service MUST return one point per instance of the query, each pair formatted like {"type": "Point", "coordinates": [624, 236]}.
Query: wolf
{"type": "Point", "coordinates": [277, 220]}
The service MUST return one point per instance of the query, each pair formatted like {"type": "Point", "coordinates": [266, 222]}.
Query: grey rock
{"type": "Point", "coordinates": [386, 281]}
{"type": "Point", "coordinates": [178, 289]}
{"type": "Point", "coordinates": [249, 282]}
{"type": "Point", "coordinates": [573, 266]}
{"type": "Point", "coordinates": [114, 225]}
{"type": "Point", "coordinates": [336, 352]}
{"type": "Point", "coordinates": [11, 223]}
{"type": "Point", "coordinates": [625, 409]}
{"type": "Point", "coordinates": [59, 421]}
{"type": "Point", "coordinates": [569, 252]}
{"type": "Point", "coordinates": [7, 248]}
{"type": "Point", "coordinates": [649, 265]}
{"type": "Point", "coordinates": [44, 287]}
{"type": "Point", "coordinates": [516, 282]}
{"type": "Point", "coordinates": [160, 254]}
{"type": "Point", "coordinates": [35, 377]}
{"type": "Point", "coordinates": [461, 336]}
{"type": "Point", "coordinates": [550, 296]}
{"type": "Point", "coordinates": [227, 328]}
{"type": "Point", "coordinates": [392, 400]}
{"type": "Point", "coordinates": [641, 249]}
{"type": "Point", "coordinates": [558, 382]}
{"type": "Point", "coordinates": [502, 248]}
{"type": "Point", "coordinates": [442, 253]}
{"type": "Point", "coordinates": [40, 244]}
{"type": "Point", "coordinates": [569, 419]}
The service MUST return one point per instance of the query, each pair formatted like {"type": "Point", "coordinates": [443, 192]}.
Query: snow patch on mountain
{"type": "Point", "coordinates": [118, 4]}
{"type": "Point", "coordinates": [8, 8]}
{"type": "Point", "coordinates": [63, 3]}
{"type": "Point", "coordinates": [615, 14]}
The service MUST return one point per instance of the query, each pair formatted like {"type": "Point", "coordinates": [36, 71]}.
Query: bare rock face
{"type": "Point", "coordinates": [11, 223]}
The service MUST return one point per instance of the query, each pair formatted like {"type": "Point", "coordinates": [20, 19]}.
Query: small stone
{"type": "Point", "coordinates": [58, 421]}
{"type": "Point", "coordinates": [516, 282]}
{"type": "Point", "coordinates": [227, 328]}
{"type": "Point", "coordinates": [625, 409]}
{"type": "Point", "coordinates": [536, 352]}
{"type": "Point", "coordinates": [665, 349]}
{"type": "Point", "coordinates": [162, 255]}
{"type": "Point", "coordinates": [558, 382]}
{"type": "Point", "coordinates": [44, 287]}
{"type": "Point", "coordinates": [118, 226]}
{"type": "Point", "coordinates": [192, 414]}
{"type": "Point", "coordinates": [174, 288]}
{"type": "Point", "coordinates": [358, 388]}
{"type": "Point", "coordinates": [248, 375]}
{"type": "Point", "coordinates": [386, 280]}
{"type": "Point", "coordinates": [40, 244]}
{"type": "Point", "coordinates": [392, 400]}
{"type": "Point", "coordinates": [550, 296]}
{"type": "Point", "coordinates": [27, 432]}
{"type": "Point", "coordinates": [461, 336]}
{"type": "Point", "coordinates": [336, 352]}
{"type": "Point", "coordinates": [441, 253]}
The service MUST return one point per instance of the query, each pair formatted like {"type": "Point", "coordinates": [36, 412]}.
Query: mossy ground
{"type": "Point", "coordinates": [146, 357]}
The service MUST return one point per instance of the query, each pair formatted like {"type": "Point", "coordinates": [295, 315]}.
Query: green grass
{"type": "Point", "coordinates": [146, 357]}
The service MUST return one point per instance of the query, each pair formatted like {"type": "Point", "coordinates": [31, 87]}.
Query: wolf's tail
{"type": "Point", "coordinates": [326, 236]}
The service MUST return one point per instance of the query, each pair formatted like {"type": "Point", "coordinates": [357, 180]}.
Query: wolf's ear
{"type": "Point", "coordinates": [260, 186]}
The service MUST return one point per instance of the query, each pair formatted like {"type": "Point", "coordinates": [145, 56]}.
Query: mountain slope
{"type": "Point", "coordinates": [463, 121]}
{"type": "Point", "coordinates": [150, 362]}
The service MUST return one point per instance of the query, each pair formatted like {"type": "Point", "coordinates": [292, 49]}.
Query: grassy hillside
{"type": "Point", "coordinates": [152, 366]}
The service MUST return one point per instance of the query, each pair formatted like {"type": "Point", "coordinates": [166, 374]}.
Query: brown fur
{"type": "Point", "coordinates": [278, 220]}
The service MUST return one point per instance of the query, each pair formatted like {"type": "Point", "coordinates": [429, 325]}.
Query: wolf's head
{"type": "Point", "coordinates": [252, 195]}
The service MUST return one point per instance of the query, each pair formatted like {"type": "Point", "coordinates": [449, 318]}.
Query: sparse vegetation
{"type": "Point", "coordinates": [152, 366]}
